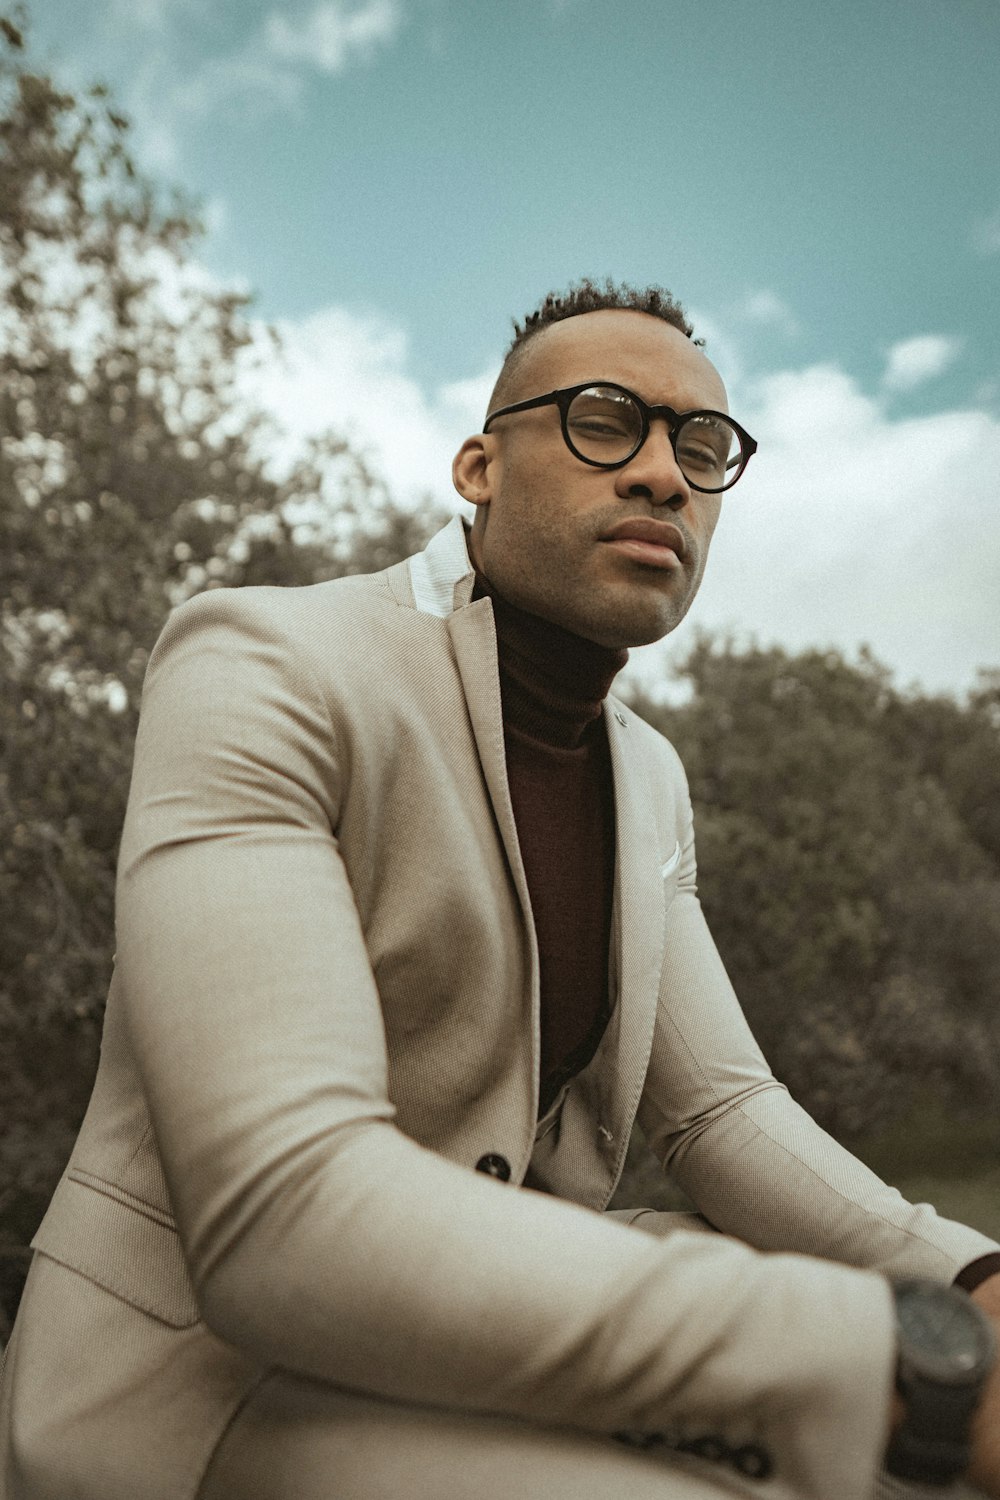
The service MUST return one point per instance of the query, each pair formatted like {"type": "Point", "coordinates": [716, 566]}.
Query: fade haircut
{"type": "Point", "coordinates": [584, 297]}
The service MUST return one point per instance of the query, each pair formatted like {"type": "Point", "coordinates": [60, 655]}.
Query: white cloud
{"type": "Point", "coordinates": [912, 361]}
{"type": "Point", "coordinates": [347, 372]}
{"type": "Point", "coordinates": [270, 67]}
{"type": "Point", "coordinates": [249, 74]}
{"type": "Point", "coordinates": [332, 35]}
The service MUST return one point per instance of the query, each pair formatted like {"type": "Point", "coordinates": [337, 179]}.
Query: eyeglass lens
{"type": "Point", "coordinates": [605, 425]}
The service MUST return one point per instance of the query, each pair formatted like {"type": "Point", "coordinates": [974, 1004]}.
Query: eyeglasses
{"type": "Point", "coordinates": [605, 425]}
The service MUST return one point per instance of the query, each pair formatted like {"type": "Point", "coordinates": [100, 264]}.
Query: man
{"type": "Point", "coordinates": [407, 935]}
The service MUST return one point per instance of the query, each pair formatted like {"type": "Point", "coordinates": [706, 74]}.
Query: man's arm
{"type": "Point", "coordinates": [321, 1239]}
{"type": "Point", "coordinates": [752, 1161]}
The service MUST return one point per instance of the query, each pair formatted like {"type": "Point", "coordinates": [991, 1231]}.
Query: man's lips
{"type": "Point", "coordinates": [652, 540]}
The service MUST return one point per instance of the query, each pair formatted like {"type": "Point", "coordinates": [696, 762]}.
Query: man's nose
{"type": "Point", "coordinates": [654, 474]}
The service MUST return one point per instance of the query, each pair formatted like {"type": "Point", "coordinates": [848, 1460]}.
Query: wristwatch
{"type": "Point", "coordinates": [946, 1350]}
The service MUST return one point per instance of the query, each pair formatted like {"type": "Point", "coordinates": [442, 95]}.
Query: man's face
{"type": "Point", "coordinates": [543, 533]}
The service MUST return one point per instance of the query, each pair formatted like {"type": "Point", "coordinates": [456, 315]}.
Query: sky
{"type": "Point", "coordinates": [819, 184]}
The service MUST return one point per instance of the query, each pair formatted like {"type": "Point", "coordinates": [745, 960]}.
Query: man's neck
{"type": "Point", "coordinates": [552, 681]}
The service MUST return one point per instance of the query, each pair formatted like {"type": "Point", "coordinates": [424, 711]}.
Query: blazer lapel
{"type": "Point", "coordinates": [474, 640]}
{"type": "Point", "coordinates": [638, 921]}
{"type": "Point", "coordinates": [473, 636]}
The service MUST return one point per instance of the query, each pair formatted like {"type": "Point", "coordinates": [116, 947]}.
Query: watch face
{"type": "Point", "coordinates": [943, 1335]}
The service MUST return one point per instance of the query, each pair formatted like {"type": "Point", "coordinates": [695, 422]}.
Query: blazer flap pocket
{"type": "Point", "coordinates": [128, 1251]}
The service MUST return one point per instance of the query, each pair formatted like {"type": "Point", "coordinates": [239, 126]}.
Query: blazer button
{"type": "Point", "coordinates": [753, 1462]}
{"type": "Point", "coordinates": [494, 1165]}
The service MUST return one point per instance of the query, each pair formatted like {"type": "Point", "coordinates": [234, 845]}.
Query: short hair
{"type": "Point", "coordinates": [584, 297]}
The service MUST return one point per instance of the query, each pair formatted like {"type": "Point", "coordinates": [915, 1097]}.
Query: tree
{"type": "Point", "coordinates": [849, 873]}
{"type": "Point", "coordinates": [132, 474]}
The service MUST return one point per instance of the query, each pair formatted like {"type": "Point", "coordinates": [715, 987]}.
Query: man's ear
{"type": "Point", "coordinates": [471, 470]}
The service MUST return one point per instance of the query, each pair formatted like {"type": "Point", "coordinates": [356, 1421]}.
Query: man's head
{"type": "Point", "coordinates": [547, 531]}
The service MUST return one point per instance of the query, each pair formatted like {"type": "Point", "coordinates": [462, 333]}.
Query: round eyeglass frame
{"type": "Point", "coordinates": [674, 419]}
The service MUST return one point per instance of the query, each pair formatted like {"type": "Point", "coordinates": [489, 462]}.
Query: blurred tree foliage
{"type": "Point", "coordinates": [849, 865]}
{"type": "Point", "coordinates": [132, 474]}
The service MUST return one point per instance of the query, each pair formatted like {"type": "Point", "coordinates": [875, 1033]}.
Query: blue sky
{"type": "Point", "coordinates": [819, 184]}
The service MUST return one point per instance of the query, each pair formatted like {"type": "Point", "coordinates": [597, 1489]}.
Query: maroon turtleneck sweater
{"type": "Point", "coordinates": [552, 687]}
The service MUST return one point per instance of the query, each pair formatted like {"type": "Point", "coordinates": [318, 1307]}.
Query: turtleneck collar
{"type": "Point", "coordinates": [552, 683]}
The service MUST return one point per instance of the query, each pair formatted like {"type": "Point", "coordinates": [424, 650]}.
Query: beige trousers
{"type": "Point", "coordinates": [298, 1441]}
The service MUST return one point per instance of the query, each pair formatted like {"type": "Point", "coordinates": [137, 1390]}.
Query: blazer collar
{"type": "Point", "coordinates": [442, 576]}
{"type": "Point", "coordinates": [442, 579]}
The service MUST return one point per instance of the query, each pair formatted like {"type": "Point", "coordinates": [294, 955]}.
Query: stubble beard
{"type": "Point", "coordinates": [637, 622]}
{"type": "Point", "coordinates": [615, 615]}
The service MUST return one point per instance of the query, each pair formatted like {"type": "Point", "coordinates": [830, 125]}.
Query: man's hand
{"type": "Point", "coordinates": [984, 1471]}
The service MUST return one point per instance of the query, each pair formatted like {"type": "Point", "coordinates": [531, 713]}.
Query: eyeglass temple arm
{"type": "Point", "coordinates": [748, 447]}
{"type": "Point", "coordinates": [503, 411]}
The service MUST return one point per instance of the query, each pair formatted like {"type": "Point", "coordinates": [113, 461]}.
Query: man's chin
{"type": "Point", "coordinates": [625, 632]}
{"type": "Point", "coordinates": [616, 618]}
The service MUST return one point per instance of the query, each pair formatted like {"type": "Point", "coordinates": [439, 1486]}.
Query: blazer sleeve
{"type": "Point", "coordinates": [754, 1163]}
{"type": "Point", "coordinates": [320, 1238]}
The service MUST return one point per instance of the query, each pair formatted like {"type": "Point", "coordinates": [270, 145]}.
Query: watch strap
{"type": "Point", "coordinates": [924, 1448]}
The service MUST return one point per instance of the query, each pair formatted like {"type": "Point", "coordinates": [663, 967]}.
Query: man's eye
{"type": "Point", "coordinates": [600, 426]}
{"type": "Point", "coordinates": [699, 456]}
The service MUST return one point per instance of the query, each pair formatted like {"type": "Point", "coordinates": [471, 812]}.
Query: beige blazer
{"type": "Point", "coordinates": [325, 1014]}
